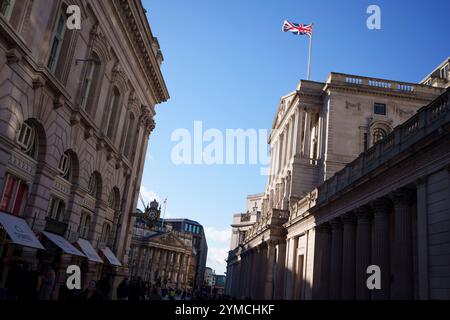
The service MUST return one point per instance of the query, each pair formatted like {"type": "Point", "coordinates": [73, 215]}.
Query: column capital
{"type": "Point", "coordinates": [336, 223]}
{"type": "Point", "coordinates": [381, 205]}
{"type": "Point", "coordinates": [402, 197]}
{"type": "Point", "coordinates": [323, 228]}
{"type": "Point", "coordinates": [421, 181]}
{"type": "Point", "coordinates": [348, 217]}
{"type": "Point", "coordinates": [364, 213]}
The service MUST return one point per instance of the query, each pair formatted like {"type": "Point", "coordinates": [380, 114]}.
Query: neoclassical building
{"type": "Point", "coordinates": [318, 130]}
{"type": "Point", "coordinates": [162, 256]}
{"type": "Point", "coordinates": [77, 109]}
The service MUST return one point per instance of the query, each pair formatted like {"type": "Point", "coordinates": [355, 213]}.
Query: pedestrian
{"type": "Point", "coordinates": [14, 281]}
{"type": "Point", "coordinates": [46, 284]}
{"type": "Point", "coordinates": [123, 290]}
{"type": "Point", "coordinates": [154, 294]}
{"type": "Point", "coordinates": [171, 294]}
{"type": "Point", "coordinates": [91, 293]}
{"type": "Point", "coordinates": [104, 287]}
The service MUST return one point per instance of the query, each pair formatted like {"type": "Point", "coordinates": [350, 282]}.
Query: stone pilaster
{"type": "Point", "coordinates": [363, 251]}
{"type": "Point", "coordinates": [422, 238]}
{"type": "Point", "coordinates": [336, 259]}
{"type": "Point", "coordinates": [268, 289]}
{"type": "Point", "coordinates": [380, 246]}
{"type": "Point", "coordinates": [322, 255]}
{"type": "Point", "coordinates": [348, 257]}
{"type": "Point", "coordinates": [402, 286]}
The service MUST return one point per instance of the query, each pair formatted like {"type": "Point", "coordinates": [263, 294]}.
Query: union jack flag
{"type": "Point", "coordinates": [297, 29]}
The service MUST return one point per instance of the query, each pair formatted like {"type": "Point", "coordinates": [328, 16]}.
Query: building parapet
{"type": "Point", "coordinates": [425, 121]}
{"type": "Point", "coordinates": [377, 83]}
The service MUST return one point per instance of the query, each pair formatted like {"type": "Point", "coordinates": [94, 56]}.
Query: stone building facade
{"type": "Point", "coordinates": [162, 256]}
{"type": "Point", "coordinates": [77, 109]}
{"type": "Point", "coordinates": [317, 131]}
{"type": "Point", "coordinates": [199, 245]}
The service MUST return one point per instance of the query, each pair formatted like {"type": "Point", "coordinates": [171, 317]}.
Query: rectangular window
{"type": "Point", "coordinates": [57, 41]}
{"type": "Point", "coordinates": [25, 136]}
{"type": "Point", "coordinates": [6, 7]}
{"type": "Point", "coordinates": [56, 209]}
{"type": "Point", "coordinates": [84, 225]}
{"type": "Point", "coordinates": [14, 195]}
{"type": "Point", "coordinates": [63, 164]}
{"type": "Point", "coordinates": [19, 202]}
{"type": "Point", "coordinates": [87, 83]}
{"type": "Point", "coordinates": [379, 108]}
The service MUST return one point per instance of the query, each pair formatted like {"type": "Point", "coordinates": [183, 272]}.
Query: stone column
{"type": "Point", "coordinates": [336, 259]}
{"type": "Point", "coordinates": [298, 131]}
{"type": "Point", "coordinates": [260, 277]}
{"type": "Point", "coordinates": [322, 262]}
{"type": "Point", "coordinates": [422, 238]}
{"type": "Point", "coordinates": [402, 286]}
{"type": "Point", "coordinates": [348, 257]}
{"type": "Point", "coordinates": [279, 275]}
{"type": "Point", "coordinates": [307, 134]}
{"type": "Point", "coordinates": [290, 270]}
{"type": "Point", "coordinates": [363, 251]}
{"type": "Point", "coordinates": [270, 258]}
{"type": "Point", "coordinates": [380, 246]}
{"type": "Point", "coordinates": [254, 273]}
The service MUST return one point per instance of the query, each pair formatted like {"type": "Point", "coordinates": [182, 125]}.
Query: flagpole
{"type": "Point", "coordinates": [309, 58]}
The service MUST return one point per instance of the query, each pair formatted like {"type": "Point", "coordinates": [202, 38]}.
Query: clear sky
{"type": "Point", "coordinates": [227, 63]}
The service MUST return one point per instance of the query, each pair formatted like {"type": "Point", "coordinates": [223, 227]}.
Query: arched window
{"type": "Point", "coordinates": [113, 112]}
{"type": "Point", "coordinates": [378, 135]}
{"type": "Point", "coordinates": [64, 166]}
{"type": "Point", "coordinates": [90, 82]}
{"type": "Point", "coordinates": [92, 188]}
{"type": "Point", "coordinates": [129, 141]}
{"type": "Point", "coordinates": [106, 231]}
{"type": "Point", "coordinates": [85, 224]}
{"type": "Point", "coordinates": [113, 199]}
{"type": "Point", "coordinates": [27, 139]}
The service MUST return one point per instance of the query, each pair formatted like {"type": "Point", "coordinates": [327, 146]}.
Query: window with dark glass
{"type": "Point", "coordinates": [89, 82]}
{"type": "Point", "coordinates": [106, 230]}
{"type": "Point", "coordinates": [57, 41]}
{"type": "Point", "coordinates": [56, 209]}
{"type": "Point", "coordinates": [27, 140]}
{"type": "Point", "coordinates": [379, 108]}
{"type": "Point", "coordinates": [64, 166]}
{"type": "Point", "coordinates": [92, 186]}
{"type": "Point", "coordinates": [6, 7]}
{"type": "Point", "coordinates": [113, 113]}
{"type": "Point", "coordinates": [85, 223]}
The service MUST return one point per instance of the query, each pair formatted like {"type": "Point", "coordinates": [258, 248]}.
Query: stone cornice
{"type": "Point", "coordinates": [130, 11]}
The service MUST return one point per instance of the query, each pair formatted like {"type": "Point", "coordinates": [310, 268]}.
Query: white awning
{"type": "Point", "coordinates": [111, 257]}
{"type": "Point", "coordinates": [63, 244]}
{"type": "Point", "coordinates": [19, 231]}
{"type": "Point", "coordinates": [89, 250]}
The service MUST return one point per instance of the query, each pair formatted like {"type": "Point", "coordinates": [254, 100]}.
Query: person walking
{"type": "Point", "coordinates": [91, 293]}
{"type": "Point", "coordinates": [123, 290]}
{"type": "Point", "coordinates": [104, 287]}
{"type": "Point", "coordinates": [47, 283]}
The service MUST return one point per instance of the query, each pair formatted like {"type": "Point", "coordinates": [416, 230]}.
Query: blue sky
{"type": "Point", "coordinates": [227, 63]}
